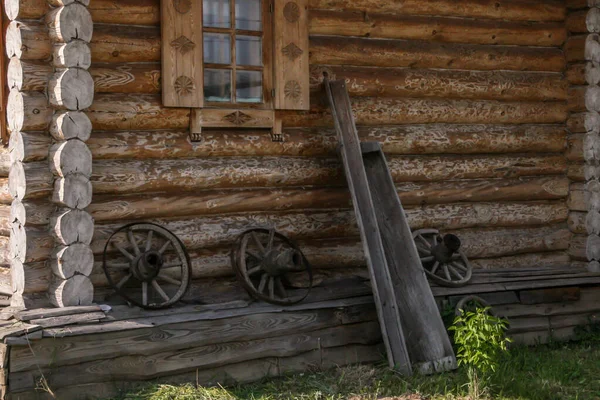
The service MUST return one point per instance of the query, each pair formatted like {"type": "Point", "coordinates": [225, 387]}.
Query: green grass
{"type": "Point", "coordinates": [547, 372]}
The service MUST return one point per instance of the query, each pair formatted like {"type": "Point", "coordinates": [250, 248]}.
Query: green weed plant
{"type": "Point", "coordinates": [481, 341]}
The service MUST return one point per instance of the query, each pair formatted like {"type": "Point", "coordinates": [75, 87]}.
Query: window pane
{"type": "Point", "coordinates": [217, 48]}
{"type": "Point", "coordinates": [215, 13]}
{"type": "Point", "coordinates": [217, 85]}
{"type": "Point", "coordinates": [248, 50]}
{"type": "Point", "coordinates": [249, 86]}
{"type": "Point", "coordinates": [248, 15]}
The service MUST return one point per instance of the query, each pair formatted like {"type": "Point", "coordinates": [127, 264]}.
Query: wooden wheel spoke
{"type": "Point", "coordinates": [455, 272]}
{"type": "Point", "coordinates": [425, 252]}
{"type": "Point", "coordinates": [123, 281]}
{"type": "Point", "coordinates": [424, 241]}
{"type": "Point", "coordinates": [172, 264]}
{"type": "Point", "coordinates": [263, 282]}
{"type": "Point", "coordinates": [456, 256]}
{"type": "Point", "coordinates": [435, 267]}
{"type": "Point", "coordinates": [280, 288]}
{"type": "Point", "coordinates": [165, 247]}
{"type": "Point", "coordinates": [427, 259]}
{"type": "Point", "coordinates": [256, 239]}
{"type": "Point", "coordinates": [136, 248]}
{"type": "Point", "coordinates": [118, 265]}
{"type": "Point", "coordinates": [253, 255]}
{"type": "Point", "coordinates": [271, 287]}
{"type": "Point", "coordinates": [160, 291]}
{"type": "Point", "coordinates": [125, 252]}
{"type": "Point", "coordinates": [254, 270]}
{"type": "Point", "coordinates": [170, 280]}
{"type": "Point", "coordinates": [459, 266]}
{"type": "Point", "coordinates": [446, 272]}
{"type": "Point", "coordinates": [149, 240]}
{"type": "Point", "coordinates": [271, 239]}
{"type": "Point", "coordinates": [145, 293]}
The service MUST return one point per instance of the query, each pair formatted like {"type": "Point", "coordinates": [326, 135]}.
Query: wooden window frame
{"type": "Point", "coordinates": [267, 38]}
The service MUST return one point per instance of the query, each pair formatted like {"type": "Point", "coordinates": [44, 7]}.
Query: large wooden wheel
{"type": "Point", "coordinates": [263, 260]}
{"type": "Point", "coordinates": [442, 259]}
{"type": "Point", "coordinates": [147, 265]}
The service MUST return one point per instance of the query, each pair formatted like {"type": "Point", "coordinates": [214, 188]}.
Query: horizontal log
{"type": "Point", "coordinates": [143, 112]}
{"type": "Point", "coordinates": [211, 356]}
{"type": "Point", "coordinates": [398, 53]}
{"type": "Point", "coordinates": [577, 248]}
{"type": "Point", "coordinates": [66, 261]}
{"type": "Point", "coordinates": [576, 172]}
{"type": "Point", "coordinates": [507, 9]}
{"type": "Point", "coordinates": [439, 29]}
{"type": "Point", "coordinates": [29, 244]}
{"type": "Point", "coordinates": [5, 161]}
{"type": "Point", "coordinates": [25, 147]}
{"type": "Point", "coordinates": [361, 81]}
{"type": "Point", "coordinates": [574, 48]}
{"type": "Point", "coordinates": [576, 201]}
{"type": "Point", "coordinates": [575, 147]}
{"type": "Point", "coordinates": [575, 73]}
{"type": "Point", "coordinates": [70, 22]}
{"type": "Point", "coordinates": [147, 12]}
{"type": "Point", "coordinates": [592, 73]}
{"type": "Point", "coordinates": [30, 180]}
{"type": "Point", "coordinates": [210, 231]}
{"type": "Point", "coordinates": [5, 196]}
{"type": "Point", "coordinates": [26, 9]}
{"type": "Point", "coordinates": [409, 139]}
{"type": "Point", "coordinates": [591, 21]}
{"type": "Point", "coordinates": [247, 328]}
{"type": "Point", "coordinates": [34, 105]}
{"type": "Point", "coordinates": [70, 157]}
{"type": "Point", "coordinates": [30, 278]}
{"type": "Point", "coordinates": [75, 54]}
{"type": "Point", "coordinates": [333, 254]}
{"type": "Point", "coordinates": [576, 21]}
{"type": "Point", "coordinates": [576, 222]}
{"type": "Point", "coordinates": [75, 291]}
{"type": "Point", "coordinates": [121, 43]}
{"type": "Point", "coordinates": [576, 100]}
{"type": "Point", "coordinates": [109, 208]}
{"type": "Point", "coordinates": [5, 256]}
{"type": "Point", "coordinates": [575, 123]}
{"type": "Point", "coordinates": [28, 40]}
{"type": "Point", "coordinates": [71, 89]}
{"type": "Point", "coordinates": [191, 175]}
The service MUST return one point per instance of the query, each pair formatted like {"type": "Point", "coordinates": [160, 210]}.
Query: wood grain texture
{"type": "Point", "coordinates": [144, 112]}
{"type": "Point", "coordinates": [320, 142]}
{"type": "Point", "coordinates": [377, 24]}
{"type": "Point", "coordinates": [183, 79]}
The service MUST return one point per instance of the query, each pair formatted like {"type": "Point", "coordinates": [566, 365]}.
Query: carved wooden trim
{"type": "Point", "coordinates": [292, 51]}
{"type": "Point", "coordinates": [231, 118]}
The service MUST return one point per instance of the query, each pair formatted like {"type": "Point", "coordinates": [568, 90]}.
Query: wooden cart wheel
{"type": "Point", "coordinates": [442, 258]}
{"type": "Point", "coordinates": [150, 266]}
{"type": "Point", "coordinates": [471, 303]}
{"type": "Point", "coordinates": [263, 259]}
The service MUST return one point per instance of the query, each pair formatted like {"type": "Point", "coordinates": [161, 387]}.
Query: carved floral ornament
{"type": "Point", "coordinates": [237, 118]}
{"type": "Point", "coordinates": [292, 51]}
{"type": "Point", "coordinates": [291, 12]}
{"type": "Point", "coordinates": [184, 85]}
{"type": "Point", "coordinates": [182, 6]}
{"type": "Point", "coordinates": [183, 44]}
{"type": "Point", "coordinates": [292, 90]}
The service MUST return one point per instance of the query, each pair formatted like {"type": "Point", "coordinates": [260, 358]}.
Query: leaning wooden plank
{"type": "Point", "coordinates": [427, 340]}
{"type": "Point", "coordinates": [383, 290]}
{"type": "Point", "coordinates": [64, 320]}
{"type": "Point", "coordinates": [27, 315]}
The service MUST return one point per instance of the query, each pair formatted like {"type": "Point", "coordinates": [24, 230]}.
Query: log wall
{"type": "Point", "coordinates": [471, 120]}
{"type": "Point", "coordinates": [481, 113]}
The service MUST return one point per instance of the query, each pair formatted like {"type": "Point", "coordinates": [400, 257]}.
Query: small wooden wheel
{"type": "Point", "coordinates": [442, 259]}
{"type": "Point", "coordinates": [471, 303]}
{"type": "Point", "coordinates": [151, 267]}
{"type": "Point", "coordinates": [263, 259]}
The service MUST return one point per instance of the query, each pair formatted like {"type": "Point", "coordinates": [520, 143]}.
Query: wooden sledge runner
{"type": "Point", "coordinates": [411, 325]}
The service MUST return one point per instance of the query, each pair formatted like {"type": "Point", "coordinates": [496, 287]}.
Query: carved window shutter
{"type": "Point", "coordinates": [182, 68]}
{"type": "Point", "coordinates": [291, 55]}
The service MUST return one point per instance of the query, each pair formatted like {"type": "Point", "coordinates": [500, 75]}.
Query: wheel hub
{"type": "Point", "coordinates": [277, 262]}
{"type": "Point", "coordinates": [147, 266]}
{"type": "Point", "coordinates": [445, 249]}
